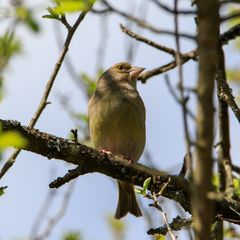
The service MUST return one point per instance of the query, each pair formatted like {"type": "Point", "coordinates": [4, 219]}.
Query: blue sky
{"type": "Point", "coordinates": [95, 195]}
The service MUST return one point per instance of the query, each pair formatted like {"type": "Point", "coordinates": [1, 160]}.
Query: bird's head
{"type": "Point", "coordinates": [124, 72]}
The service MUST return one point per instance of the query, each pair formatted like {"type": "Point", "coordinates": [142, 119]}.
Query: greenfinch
{"type": "Point", "coordinates": [117, 124]}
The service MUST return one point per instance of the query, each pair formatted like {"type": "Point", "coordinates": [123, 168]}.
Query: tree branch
{"type": "Point", "coordinates": [90, 160]}
{"type": "Point", "coordinates": [177, 224]}
{"type": "Point", "coordinates": [147, 41]}
{"type": "Point", "coordinates": [208, 40]}
{"type": "Point", "coordinates": [140, 22]}
{"type": "Point", "coordinates": [224, 39]}
{"type": "Point", "coordinates": [224, 158]}
{"type": "Point", "coordinates": [173, 11]}
{"type": "Point", "coordinates": [43, 102]}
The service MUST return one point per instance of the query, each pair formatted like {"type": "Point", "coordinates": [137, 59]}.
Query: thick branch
{"type": "Point", "coordinates": [89, 160]}
{"type": "Point", "coordinates": [208, 39]}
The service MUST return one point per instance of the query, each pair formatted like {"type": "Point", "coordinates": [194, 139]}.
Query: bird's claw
{"type": "Point", "coordinates": [104, 151]}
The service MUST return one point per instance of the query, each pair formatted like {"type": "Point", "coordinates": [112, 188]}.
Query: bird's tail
{"type": "Point", "coordinates": [127, 201]}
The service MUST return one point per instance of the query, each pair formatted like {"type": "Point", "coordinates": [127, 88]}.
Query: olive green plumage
{"type": "Point", "coordinates": [117, 124]}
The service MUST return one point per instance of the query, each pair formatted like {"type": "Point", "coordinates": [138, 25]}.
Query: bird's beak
{"type": "Point", "coordinates": [135, 72]}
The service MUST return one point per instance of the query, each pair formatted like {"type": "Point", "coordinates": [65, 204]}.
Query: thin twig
{"type": "Point", "coordinates": [67, 61]}
{"type": "Point", "coordinates": [224, 39]}
{"type": "Point", "coordinates": [163, 214]}
{"type": "Point", "coordinates": [147, 41]}
{"type": "Point", "coordinates": [48, 87]}
{"type": "Point", "coordinates": [224, 158]}
{"type": "Point", "coordinates": [60, 213]}
{"type": "Point", "coordinates": [173, 11]}
{"type": "Point", "coordinates": [230, 17]}
{"type": "Point", "coordinates": [181, 90]}
{"type": "Point", "coordinates": [226, 95]}
{"type": "Point", "coordinates": [132, 47]}
{"type": "Point", "coordinates": [230, 34]}
{"type": "Point", "coordinates": [236, 168]}
{"type": "Point", "coordinates": [165, 68]}
{"type": "Point", "coordinates": [103, 43]}
{"type": "Point", "coordinates": [187, 159]}
{"type": "Point", "coordinates": [177, 224]}
{"type": "Point", "coordinates": [140, 22]}
{"type": "Point", "coordinates": [228, 1]}
{"type": "Point", "coordinates": [47, 203]}
{"type": "Point", "coordinates": [175, 96]}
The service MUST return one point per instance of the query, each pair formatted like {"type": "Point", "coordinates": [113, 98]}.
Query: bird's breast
{"type": "Point", "coordinates": [117, 124]}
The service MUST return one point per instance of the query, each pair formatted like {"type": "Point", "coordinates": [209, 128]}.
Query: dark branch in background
{"type": "Point", "coordinates": [140, 22]}
{"type": "Point", "coordinates": [230, 16]}
{"type": "Point", "coordinates": [48, 87]}
{"type": "Point", "coordinates": [224, 158]}
{"type": "Point", "coordinates": [102, 45]}
{"type": "Point", "coordinates": [47, 203]}
{"type": "Point", "coordinates": [176, 98]}
{"type": "Point", "coordinates": [227, 36]}
{"type": "Point", "coordinates": [183, 99]}
{"type": "Point", "coordinates": [90, 160]}
{"type": "Point", "coordinates": [227, 96]}
{"type": "Point", "coordinates": [228, 1]}
{"type": "Point", "coordinates": [131, 46]}
{"type": "Point", "coordinates": [177, 224]}
{"type": "Point", "coordinates": [157, 206]}
{"type": "Point", "coordinates": [230, 34]}
{"type": "Point", "coordinates": [148, 41]}
{"type": "Point", "coordinates": [173, 11]}
{"type": "Point", "coordinates": [236, 168]}
{"type": "Point", "coordinates": [67, 61]}
{"type": "Point", "coordinates": [185, 57]}
{"type": "Point", "coordinates": [59, 214]}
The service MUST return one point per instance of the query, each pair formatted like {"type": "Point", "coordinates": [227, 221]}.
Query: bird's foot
{"type": "Point", "coordinates": [130, 161]}
{"type": "Point", "coordinates": [104, 151]}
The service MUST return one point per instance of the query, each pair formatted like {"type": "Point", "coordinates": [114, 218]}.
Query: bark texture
{"type": "Point", "coordinates": [208, 35]}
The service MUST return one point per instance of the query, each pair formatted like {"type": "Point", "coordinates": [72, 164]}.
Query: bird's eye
{"type": "Point", "coordinates": [120, 67]}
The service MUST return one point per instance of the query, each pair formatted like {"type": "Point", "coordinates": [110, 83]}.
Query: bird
{"type": "Point", "coordinates": [116, 115]}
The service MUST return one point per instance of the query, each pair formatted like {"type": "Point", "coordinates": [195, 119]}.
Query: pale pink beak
{"type": "Point", "coordinates": [135, 72]}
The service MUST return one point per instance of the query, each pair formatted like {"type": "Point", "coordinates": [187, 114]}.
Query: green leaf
{"type": "Point", "coordinates": [72, 236]}
{"type": "Point", "coordinates": [234, 75]}
{"type": "Point", "coordinates": [12, 139]}
{"type": "Point", "coordinates": [138, 190]}
{"type": "Point", "coordinates": [90, 83]}
{"type": "Point", "coordinates": [236, 20]}
{"type": "Point", "coordinates": [158, 236]}
{"type": "Point", "coordinates": [64, 6]}
{"type": "Point", "coordinates": [143, 190]}
{"type": "Point", "coordinates": [145, 185]}
{"type": "Point", "coordinates": [26, 16]}
{"type": "Point", "coordinates": [52, 14]}
{"type": "Point", "coordinates": [118, 227]}
{"type": "Point", "coordinates": [9, 47]}
{"type": "Point", "coordinates": [215, 181]}
{"type": "Point", "coordinates": [236, 184]}
{"type": "Point", "coordinates": [49, 16]}
{"type": "Point", "coordinates": [2, 190]}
